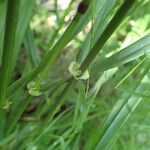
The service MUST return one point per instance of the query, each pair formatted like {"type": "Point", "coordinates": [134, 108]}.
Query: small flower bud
{"type": "Point", "coordinates": [82, 8]}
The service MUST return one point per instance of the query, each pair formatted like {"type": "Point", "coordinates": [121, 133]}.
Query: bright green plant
{"type": "Point", "coordinates": [49, 125]}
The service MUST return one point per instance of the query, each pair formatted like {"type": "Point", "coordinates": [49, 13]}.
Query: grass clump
{"type": "Point", "coordinates": [85, 71]}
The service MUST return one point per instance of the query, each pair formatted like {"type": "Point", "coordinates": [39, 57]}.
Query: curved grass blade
{"type": "Point", "coordinates": [79, 21]}
{"type": "Point", "coordinates": [121, 117]}
{"type": "Point", "coordinates": [130, 53]}
{"type": "Point", "coordinates": [15, 114]}
{"type": "Point", "coordinates": [19, 107]}
{"type": "Point", "coordinates": [120, 113]}
{"type": "Point", "coordinates": [3, 8]}
{"type": "Point", "coordinates": [98, 27]}
{"type": "Point", "coordinates": [8, 49]}
{"type": "Point", "coordinates": [133, 51]}
{"type": "Point", "coordinates": [30, 45]}
{"type": "Point", "coordinates": [112, 26]}
{"type": "Point", "coordinates": [10, 31]}
{"type": "Point", "coordinates": [60, 22]}
{"type": "Point", "coordinates": [25, 13]}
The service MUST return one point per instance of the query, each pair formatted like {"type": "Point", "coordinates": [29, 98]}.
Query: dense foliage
{"type": "Point", "coordinates": [72, 72]}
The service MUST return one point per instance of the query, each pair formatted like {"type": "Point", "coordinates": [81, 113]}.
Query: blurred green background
{"type": "Point", "coordinates": [47, 25]}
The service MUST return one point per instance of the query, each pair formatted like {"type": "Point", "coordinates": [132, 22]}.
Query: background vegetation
{"type": "Point", "coordinates": [43, 106]}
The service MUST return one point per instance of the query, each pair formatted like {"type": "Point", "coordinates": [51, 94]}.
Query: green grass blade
{"type": "Point", "coordinates": [25, 13]}
{"type": "Point", "coordinates": [130, 53]}
{"type": "Point", "coordinates": [112, 26]}
{"type": "Point", "coordinates": [30, 45]}
{"type": "Point", "coordinates": [99, 25]}
{"type": "Point", "coordinates": [8, 139]}
{"type": "Point", "coordinates": [10, 31]}
{"type": "Point", "coordinates": [3, 8]}
{"type": "Point", "coordinates": [79, 21]}
{"type": "Point", "coordinates": [102, 79]}
{"type": "Point", "coordinates": [121, 117]}
{"type": "Point", "coordinates": [8, 48]}
{"type": "Point", "coordinates": [60, 24]}
{"type": "Point", "coordinates": [120, 113]}
{"type": "Point", "coordinates": [55, 90]}
{"type": "Point", "coordinates": [15, 113]}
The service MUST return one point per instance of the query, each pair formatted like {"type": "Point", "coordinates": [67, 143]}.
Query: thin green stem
{"type": "Point", "coordinates": [8, 49]}
{"type": "Point", "coordinates": [85, 64]}
{"type": "Point", "coordinates": [75, 27]}
{"type": "Point", "coordinates": [11, 24]}
{"type": "Point", "coordinates": [112, 26]}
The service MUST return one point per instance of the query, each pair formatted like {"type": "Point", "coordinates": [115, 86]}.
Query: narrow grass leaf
{"type": "Point", "coordinates": [130, 53]}
{"type": "Point", "coordinates": [121, 111]}
{"type": "Point", "coordinates": [3, 8]}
